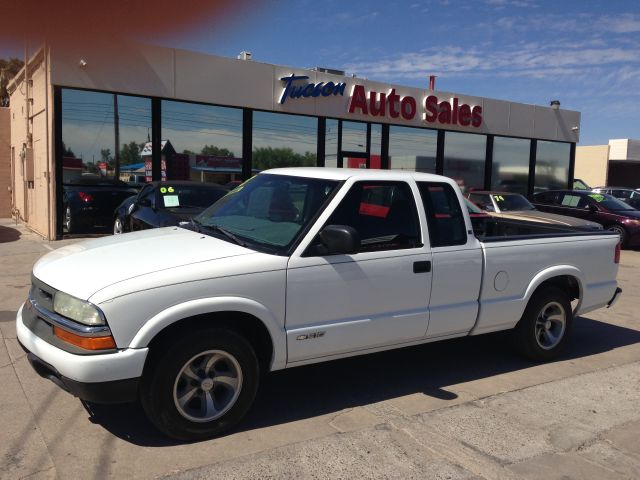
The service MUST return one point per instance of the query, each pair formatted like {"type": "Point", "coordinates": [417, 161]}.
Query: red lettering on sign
{"type": "Point", "coordinates": [476, 116]}
{"type": "Point", "coordinates": [431, 106]}
{"type": "Point", "coordinates": [464, 115]}
{"type": "Point", "coordinates": [358, 100]}
{"type": "Point", "coordinates": [381, 108]}
{"type": "Point", "coordinates": [408, 107]}
{"type": "Point", "coordinates": [445, 112]}
{"type": "Point", "coordinates": [393, 103]}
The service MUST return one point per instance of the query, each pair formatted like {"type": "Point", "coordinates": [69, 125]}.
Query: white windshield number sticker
{"type": "Point", "coordinates": [171, 201]}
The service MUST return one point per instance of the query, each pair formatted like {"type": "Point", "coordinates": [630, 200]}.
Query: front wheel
{"type": "Point", "coordinates": [542, 332]}
{"type": "Point", "coordinates": [202, 385]}
{"type": "Point", "coordinates": [118, 226]}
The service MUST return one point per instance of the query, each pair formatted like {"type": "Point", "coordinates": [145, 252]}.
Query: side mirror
{"type": "Point", "coordinates": [592, 208]}
{"type": "Point", "coordinates": [339, 239]}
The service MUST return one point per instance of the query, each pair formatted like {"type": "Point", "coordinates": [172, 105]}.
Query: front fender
{"type": "Point", "coordinates": [201, 306]}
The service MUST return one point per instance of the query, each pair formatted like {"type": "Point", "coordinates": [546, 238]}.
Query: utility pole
{"type": "Point", "coordinates": [116, 129]}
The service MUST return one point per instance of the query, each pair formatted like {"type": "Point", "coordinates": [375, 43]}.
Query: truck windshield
{"type": "Point", "coordinates": [512, 203]}
{"type": "Point", "coordinates": [268, 212]}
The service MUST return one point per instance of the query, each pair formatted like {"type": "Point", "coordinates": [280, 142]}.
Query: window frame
{"type": "Point", "coordinates": [419, 241]}
{"type": "Point", "coordinates": [429, 209]}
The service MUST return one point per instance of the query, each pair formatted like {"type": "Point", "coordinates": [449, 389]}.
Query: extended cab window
{"type": "Point", "coordinates": [383, 213]}
{"type": "Point", "coordinates": [444, 214]}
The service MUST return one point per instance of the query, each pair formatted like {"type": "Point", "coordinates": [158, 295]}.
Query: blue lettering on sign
{"type": "Point", "coordinates": [309, 89]}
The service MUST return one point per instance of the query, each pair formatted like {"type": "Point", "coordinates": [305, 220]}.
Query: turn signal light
{"type": "Point", "coordinates": [616, 256]}
{"type": "Point", "coordinates": [88, 343]}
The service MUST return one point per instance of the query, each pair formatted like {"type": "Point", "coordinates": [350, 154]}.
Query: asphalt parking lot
{"type": "Point", "coordinates": [466, 408]}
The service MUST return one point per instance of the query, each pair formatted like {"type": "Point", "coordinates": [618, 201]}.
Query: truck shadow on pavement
{"type": "Point", "coordinates": [320, 389]}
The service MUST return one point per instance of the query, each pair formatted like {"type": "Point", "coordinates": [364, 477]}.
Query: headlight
{"type": "Point", "coordinates": [77, 309]}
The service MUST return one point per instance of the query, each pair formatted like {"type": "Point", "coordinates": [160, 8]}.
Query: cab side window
{"type": "Point", "coordinates": [383, 213]}
{"type": "Point", "coordinates": [444, 214]}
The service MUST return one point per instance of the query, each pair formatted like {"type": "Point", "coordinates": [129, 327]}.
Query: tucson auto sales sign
{"type": "Point", "coordinates": [385, 104]}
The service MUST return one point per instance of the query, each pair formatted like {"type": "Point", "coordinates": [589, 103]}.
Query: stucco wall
{"type": "Point", "coordinates": [591, 164]}
{"type": "Point", "coordinates": [32, 199]}
{"type": "Point", "coordinates": [5, 162]}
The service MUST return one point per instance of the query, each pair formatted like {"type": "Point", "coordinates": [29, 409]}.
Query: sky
{"type": "Point", "coordinates": [584, 53]}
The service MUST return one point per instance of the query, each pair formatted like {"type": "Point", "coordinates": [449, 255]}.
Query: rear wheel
{"type": "Point", "coordinates": [620, 231]}
{"type": "Point", "coordinates": [542, 332]}
{"type": "Point", "coordinates": [202, 385]}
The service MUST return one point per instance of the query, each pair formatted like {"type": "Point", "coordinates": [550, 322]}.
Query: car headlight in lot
{"type": "Point", "coordinates": [76, 309]}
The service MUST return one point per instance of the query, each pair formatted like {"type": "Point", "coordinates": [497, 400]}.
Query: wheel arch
{"type": "Point", "coordinates": [247, 317]}
{"type": "Point", "coordinates": [565, 277]}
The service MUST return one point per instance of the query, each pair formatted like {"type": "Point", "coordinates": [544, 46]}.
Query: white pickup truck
{"type": "Point", "coordinates": [297, 266]}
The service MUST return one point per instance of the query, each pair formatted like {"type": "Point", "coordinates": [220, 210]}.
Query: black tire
{"type": "Point", "coordinates": [620, 231]}
{"type": "Point", "coordinates": [160, 386]}
{"type": "Point", "coordinates": [538, 335]}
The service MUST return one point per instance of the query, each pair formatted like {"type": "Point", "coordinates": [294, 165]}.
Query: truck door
{"type": "Point", "coordinates": [457, 262]}
{"type": "Point", "coordinates": [378, 296]}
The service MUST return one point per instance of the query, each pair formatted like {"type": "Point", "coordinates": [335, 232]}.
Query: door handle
{"type": "Point", "coordinates": [422, 267]}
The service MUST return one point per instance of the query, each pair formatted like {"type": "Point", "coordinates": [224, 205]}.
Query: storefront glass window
{"type": "Point", "coordinates": [412, 149]}
{"type": "Point", "coordinates": [354, 137]}
{"type": "Point", "coordinates": [202, 143]}
{"type": "Point", "coordinates": [331, 144]}
{"type": "Point", "coordinates": [510, 171]}
{"type": "Point", "coordinates": [282, 140]}
{"type": "Point", "coordinates": [464, 159]}
{"type": "Point", "coordinates": [552, 165]}
{"type": "Point", "coordinates": [103, 138]}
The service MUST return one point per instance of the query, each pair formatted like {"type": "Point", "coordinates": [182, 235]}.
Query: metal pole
{"type": "Point", "coordinates": [116, 129]}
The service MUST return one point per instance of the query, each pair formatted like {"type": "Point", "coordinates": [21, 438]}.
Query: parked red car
{"type": "Point", "coordinates": [608, 211]}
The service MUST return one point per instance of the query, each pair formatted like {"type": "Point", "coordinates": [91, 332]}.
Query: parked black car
{"type": "Point", "coordinates": [88, 202]}
{"type": "Point", "coordinates": [164, 204]}
{"type": "Point", "coordinates": [608, 211]}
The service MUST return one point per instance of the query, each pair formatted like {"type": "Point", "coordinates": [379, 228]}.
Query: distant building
{"type": "Point", "coordinates": [229, 118]}
{"type": "Point", "coordinates": [616, 164]}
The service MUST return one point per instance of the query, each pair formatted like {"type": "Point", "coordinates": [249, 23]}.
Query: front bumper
{"type": "Point", "coordinates": [100, 378]}
{"type": "Point", "coordinates": [117, 391]}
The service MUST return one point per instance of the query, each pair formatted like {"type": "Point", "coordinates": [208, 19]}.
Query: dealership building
{"type": "Point", "coordinates": [152, 113]}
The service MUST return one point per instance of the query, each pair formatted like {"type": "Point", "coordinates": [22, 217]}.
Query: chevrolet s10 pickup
{"type": "Point", "coordinates": [297, 266]}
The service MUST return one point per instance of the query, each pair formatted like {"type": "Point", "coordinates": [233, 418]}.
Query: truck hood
{"type": "Point", "coordinates": [551, 218]}
{"type": "Point", "coordinates": [84, 268]}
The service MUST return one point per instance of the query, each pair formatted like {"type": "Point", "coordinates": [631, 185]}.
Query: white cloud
{"type": "Point", "coordinates": [527, 60]}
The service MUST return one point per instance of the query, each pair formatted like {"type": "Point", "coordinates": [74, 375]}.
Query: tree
{"type": "Point", "coordinates": [105, 155]}
{"type": "Point", "coordinates": [130, 153]}
{"type": "Point", "coordinates": [269, 157]}
{"type": "Point", "coordinates": [67, 152]}
{"type": "Point", "coordinates": [216, 151]}
{"type": "Point", "coordinates": [8, 70]}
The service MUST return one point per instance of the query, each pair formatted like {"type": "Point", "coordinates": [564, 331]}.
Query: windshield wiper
{"type": "Point", "coordinates": [215, 228]}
